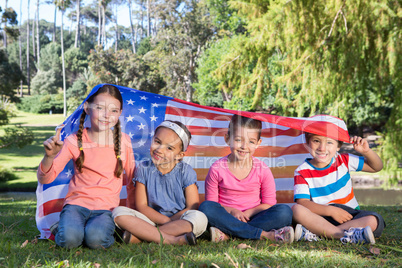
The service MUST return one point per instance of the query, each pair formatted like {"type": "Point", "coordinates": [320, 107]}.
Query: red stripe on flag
{"type": "Point", "coordinates": [52, 206]}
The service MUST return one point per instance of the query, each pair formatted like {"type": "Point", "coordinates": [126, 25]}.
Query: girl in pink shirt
{"type": "Point", "coordinates": [240, 191]}
{"type": "Point", "coordinates": [100, 156]}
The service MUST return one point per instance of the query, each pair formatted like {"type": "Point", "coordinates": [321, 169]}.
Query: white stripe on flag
{"type": "Point", "coordinates": [282, 161]}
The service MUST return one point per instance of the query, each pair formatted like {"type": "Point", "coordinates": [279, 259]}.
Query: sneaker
{"type": "Point", "coordinates": [217, 235]}
{"type": "Point", "coordinates": [302, 234]}
{"type": "Point", "coordinates": [54, 228]}
{"type": "Point", "coordinates": [126, 237]}
{"type": "Point", "coordinates": [285, 234]}
{"type": "Point", "coordinates": [359, 236]}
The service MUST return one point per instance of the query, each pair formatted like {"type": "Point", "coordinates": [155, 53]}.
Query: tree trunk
{"type": "Point", "coordinates": [133, 35]}
{"type": "Point", "coordinates": [148, 18]}
{"type": "Point", "coordinates": [54, 24]}
{"type": "Point", "coordinates": [33, 37]}
{"type": "Point", "coordinates": [117, 31]}
{"type": "Point", "coordinates": [189, 82]}
{"type": "Point", "coordinates": [104, 26]}
{"type": "Point", "coordinates": [28, 74]}
{"type": "Point", "coordinates": [64, 70]}
{"type": "Point", "coordinates": [20, 47]}
{"type": "Point", "coordinates": [37, 34]}
{"type": "Point", "coordinates": [78, 32]}
{"type": "Point", "coordinates": [99, 22]}
{"type": "Point", "coordinates": [4, 31]}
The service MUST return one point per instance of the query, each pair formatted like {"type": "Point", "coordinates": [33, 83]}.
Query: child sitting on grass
{"type": "Point", "coordinates": [240, 191]}
{"type": "Point", "coordinates": [166, 193]}
{"type": "Point", "coordinates": [326, 205]}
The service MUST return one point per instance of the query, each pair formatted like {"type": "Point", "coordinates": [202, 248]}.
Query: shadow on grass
{"type": "Point", "coordinates": [34, 149]}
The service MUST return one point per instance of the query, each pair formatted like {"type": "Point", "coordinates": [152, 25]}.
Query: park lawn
{"type": "Point", "coordinates": [20, 248]}
{"type": "Point", "coordinates": [24, 162]}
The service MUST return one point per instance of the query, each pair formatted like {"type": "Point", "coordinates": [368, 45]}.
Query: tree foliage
{"type": "Point", "coordinates": [10, 76]}
{"type": "Point", "coordinates": [336, 57]}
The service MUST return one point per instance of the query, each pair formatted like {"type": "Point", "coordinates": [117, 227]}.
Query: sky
{"type": "Point", "coordinates": [46, 12]}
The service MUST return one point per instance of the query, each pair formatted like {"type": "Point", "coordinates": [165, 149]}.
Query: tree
{"type": "Point", "coordinates": [333, 52]}
{"type": "Point", "coordinates": [63, 5]}
{"type": "Point", "coordinates": [9, 19]}
{"type": "Point", "coordinates": [180, 37]}
{"type": "Point", "coordinates": [133, 33]}
{"type": "Point", "coordinates": [10, 76]}
{"type": "Point", "coordinates": [78, 32]}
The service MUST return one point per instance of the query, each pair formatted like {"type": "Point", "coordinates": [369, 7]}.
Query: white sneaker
{"type": "Point", "coordinates": [359, 236]}
{"type": "Point", "coordinates": [217, 235]}
{"type": "Point", "coordinates": [285, 234]}
{"type": "Point", "coordinates": [302, 234]}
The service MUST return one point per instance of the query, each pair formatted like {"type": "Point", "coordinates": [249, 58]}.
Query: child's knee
{"type": "Point", "coordinates": [97, 238]}
{"type": "Point", "coordinates": [198, 220]}
{"type": "Point", "coordinates": [299, 211]}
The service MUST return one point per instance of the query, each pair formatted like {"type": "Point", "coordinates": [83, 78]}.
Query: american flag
{"type": "Point", "coordinates": [282, 147]}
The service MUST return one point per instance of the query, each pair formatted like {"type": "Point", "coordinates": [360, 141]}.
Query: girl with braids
{"type": "Point", "coordinates": [100, 153]}
{"type": "Point", "coordinates": [166, 193]}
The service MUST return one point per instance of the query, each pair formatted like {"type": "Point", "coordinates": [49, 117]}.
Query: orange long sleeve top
{"type": "Point", "coordinates": [96, 188]}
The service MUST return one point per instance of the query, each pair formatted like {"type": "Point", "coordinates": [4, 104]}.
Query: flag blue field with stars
{"type": "Point", "coordinates": [282, 147]}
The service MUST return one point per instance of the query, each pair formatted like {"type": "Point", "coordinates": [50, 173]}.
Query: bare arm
{"type": "Point", "coordinates": [141, 204]}
{"type": "Point", "coordinates": [255, 210]}
{"type": "Point", "coordinates": [192, 201]}
{"type": "Point", "coordinates": [372, 162]}
{"type": "Point", "coordinates": [336, 213]}
{"type": "Point", "coordinates": [52, 147]}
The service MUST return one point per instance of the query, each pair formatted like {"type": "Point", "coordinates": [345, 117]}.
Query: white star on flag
{"type": "Point", "coordinates": [130, 102]}
{"type": "Point", "coordinates": [130, 118]}
{"type": "Point", "coordinates": [143, 98]}
{"type": "Point", "coordinates": [131, 135]}
{"type": "Point", "coordinates": [141, 143]}
{"type": "Point", "coordinates": [152, 133]}
{"type": "Point", "coordinates": [155, 105]}
{"type": "Point", "coordinates": [69, 173]}
{"type": "Point", "coordinates": [142, 110]}
{"type": "Point", "coordinates": [142, 126]}
{"type": "Point", "coordinates": [153, 118]}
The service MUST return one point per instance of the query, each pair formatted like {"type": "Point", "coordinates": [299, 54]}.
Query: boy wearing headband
{"type": "Point", "coordinates": [165, 195]}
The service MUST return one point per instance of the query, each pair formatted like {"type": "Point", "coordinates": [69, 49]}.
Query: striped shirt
{"type": "Point", "coordinates": [328, 185]}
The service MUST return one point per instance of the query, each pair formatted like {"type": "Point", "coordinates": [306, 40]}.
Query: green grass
{"type": "Point", "coordinates": [17, 225]}
{"type": "Point", "coordinates": [24, 162]}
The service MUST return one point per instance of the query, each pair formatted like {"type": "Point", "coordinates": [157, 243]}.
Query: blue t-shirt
{"type": "Point", "coordinates": [165, 192]}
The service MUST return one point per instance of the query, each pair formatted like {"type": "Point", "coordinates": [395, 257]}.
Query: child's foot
{"type": "Point", "coordinates": [302, 234]}
{"type": "Point", "coordinates": [217, 235]}
{"type": "Point", "coordinates": [190, 239]}
{"type": "Point", "coordinates": [359, 235]}
{"type": "Point", "coordinates": [284, 235]}
{"type": "Point", "coordinates": [126, 237]}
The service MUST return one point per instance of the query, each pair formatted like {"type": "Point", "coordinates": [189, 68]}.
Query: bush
{"type": "Point", "coordinates": [42, 104]}
{"type": "Point", "coordinates": [7, 175]}
{"type": "Point", "coordinates": [16, 136]}
{"type": "Point", "coordinates": [45, 82]}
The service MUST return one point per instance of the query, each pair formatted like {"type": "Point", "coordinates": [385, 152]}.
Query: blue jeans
{"type": "Point", "coordinates": [78, 225]}
{"type": "Point", "coordinates": [275, 217]}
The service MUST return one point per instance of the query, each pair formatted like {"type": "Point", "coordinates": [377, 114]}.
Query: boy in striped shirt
{"type": "Point", "coordinates": [325, 202]}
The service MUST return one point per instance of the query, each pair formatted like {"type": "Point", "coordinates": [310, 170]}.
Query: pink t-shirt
{"type": "Point", "coordinates": [96, 188]}
{"type": "Point", "coordinates": [223, 187]}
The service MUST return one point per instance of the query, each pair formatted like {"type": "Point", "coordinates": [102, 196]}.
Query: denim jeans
{"type": "Point", "coordinates": [275, 217]}
{"type": "Point", "coordinates": [79, 225]}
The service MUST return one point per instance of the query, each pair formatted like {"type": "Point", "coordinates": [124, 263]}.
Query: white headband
{"type": "Point", "coordinates": [179, 131]}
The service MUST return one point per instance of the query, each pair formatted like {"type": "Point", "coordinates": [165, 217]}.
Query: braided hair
{"type": "Point", "coordinates": [114, 92]}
